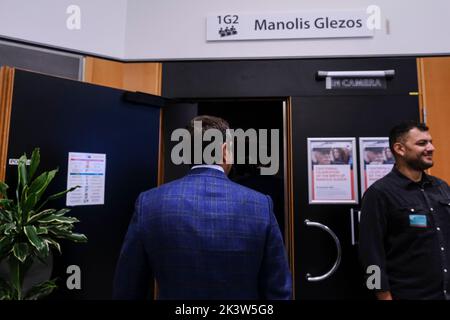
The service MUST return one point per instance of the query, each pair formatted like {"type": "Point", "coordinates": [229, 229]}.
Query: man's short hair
{"type": "Point", "coordinates": [208, 122]}
{"type": "Point", "coordinates": [398, 133]}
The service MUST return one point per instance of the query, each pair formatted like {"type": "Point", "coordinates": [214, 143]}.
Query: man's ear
{"type": "Point", "coordinates": [399, 149]}
{"type": "Point", "coordinates": [227, 156]}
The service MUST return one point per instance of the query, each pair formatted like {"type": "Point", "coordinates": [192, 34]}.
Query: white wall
{"type": "Point", "coordinates": [103, 24]}
{"type": "Point", "coordinates": [176, 29]}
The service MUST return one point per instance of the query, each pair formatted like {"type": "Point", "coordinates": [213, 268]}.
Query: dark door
{"type": "Point", "coordinates": [315, 249]}
{"type": "Point", "coordinates": [62, 116]}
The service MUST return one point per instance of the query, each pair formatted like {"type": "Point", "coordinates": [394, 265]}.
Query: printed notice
{"type": "Point", "coordinates": [331, 172]}
{"type": "Point", "coordinates": [86, 170]}
{"type": "Point", "coordinates": [376, 160]}
{"type": "Point", "coordinates": [332, 182]}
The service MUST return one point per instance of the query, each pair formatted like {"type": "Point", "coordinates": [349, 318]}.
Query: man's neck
{"type": "Point", "coordinates": [410, 173]}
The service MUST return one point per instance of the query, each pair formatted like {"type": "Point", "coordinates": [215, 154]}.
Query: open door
{"type": "Point", "coordinates": [62, 116]}
{"type": "Point", "coordinates": [245, 114]}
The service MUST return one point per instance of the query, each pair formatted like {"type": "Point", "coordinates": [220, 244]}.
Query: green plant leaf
{"type": "Point", "coordinates": [28, 205]}
{"type": "Point", "coordinates": [24, 194]}
{"type": "Point", "coordinates": [8, 228]}
{"type": "Point", "coordinates": [35, 217]}
{"type": "Point", "coordinates": [29, 202]}
{"type": "Point", "coordinates": [57, 196]}
{"type": "Point", "coordinates": [57, 219]}
{"type": "Point", "coordinates": [53, 243]}
{"type": "Point", "coordinates": [76, 237]}
{"type": "Point", "coordinates": [16, 276]}
{"type": "Point", "coordinates": [62, 212]}
{"type": "Point", "coordinates": [6, 215]}
{"type": "Point", "coordinates": [50, 176]}
{"type": "Point", "coordinates": [43, 253]}
{"type": "Point", "coordinates": [41, 290]}
{"type": "Point", "coordinates": [22, 170]}
{"type": "Point", "coordinates": [41, 230]}
{"type": "Point", "coordinates": [35, 160]}
{"type": "Point", "coordinates": [3, 190]}
{"type": "Point", "coordinates": [61, 194]}
{"type": "Point", "coordinates": [38, 183]}
{"type": "Point", "coordinates": [33, 238]}
{"type": "Point", "coordinates": [5, 203]}
{"type": "Point", "coordinates": [21, 251]}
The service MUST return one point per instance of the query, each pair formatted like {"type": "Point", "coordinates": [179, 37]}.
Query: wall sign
{"type": "Point", "coordinates": [293, 25]}
{"type": "Point", "coordinates": [355, 83]}
{"type": "Point", "coordinates": [15, 162]}
{"type": "Point", "coordinates": [331, 170]}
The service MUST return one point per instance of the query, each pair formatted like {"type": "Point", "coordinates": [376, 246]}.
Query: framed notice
{"type": "Point", "coordinates": [376, 160]}
{"type": "Point", "coordinates": [331, 172]}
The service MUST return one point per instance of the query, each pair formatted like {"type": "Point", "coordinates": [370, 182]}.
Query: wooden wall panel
{"type": "Point", "coordinates": [434, 87]}
{"type": "Point", "coordinates": [103, 72]}
{"type": "Point", "coordinates": [143, 77]}
{"type": "Point", "coordinates": [6, 91]}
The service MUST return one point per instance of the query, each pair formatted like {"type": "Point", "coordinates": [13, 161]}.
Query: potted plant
{"type": "Point", "coordinates": [29, 230]}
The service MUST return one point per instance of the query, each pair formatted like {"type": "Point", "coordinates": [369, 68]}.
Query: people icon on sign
{"type": "Point", "coordinates": [227, 31]}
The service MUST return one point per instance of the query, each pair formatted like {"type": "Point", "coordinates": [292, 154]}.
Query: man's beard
{"type": "Point", "coordinates": [418, 164]}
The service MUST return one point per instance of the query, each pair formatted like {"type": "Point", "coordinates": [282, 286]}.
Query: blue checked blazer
{"type": "Point", "coordinates": [203, 237]}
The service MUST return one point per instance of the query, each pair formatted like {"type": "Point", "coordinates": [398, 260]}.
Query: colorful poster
{"type": "Point", "coordinates": [86, 170]}
{"type": "Point", "coordinates": [331, 172]}
{"type": "Point", "coordinates": [376, 160]}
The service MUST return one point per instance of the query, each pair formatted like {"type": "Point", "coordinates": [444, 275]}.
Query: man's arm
{"type": "Point", "coordinates": [133, 274]}
{"type": "Point", "coordinates": [275, 282]}
{"type": "Point", "coordinates": [372, 233]}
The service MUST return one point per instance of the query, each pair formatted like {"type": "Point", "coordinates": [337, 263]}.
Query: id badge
{"type": "Point", "coordinates": [418, 220]}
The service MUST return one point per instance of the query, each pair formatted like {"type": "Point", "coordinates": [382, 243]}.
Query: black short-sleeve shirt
{"type": "Point", "coordinates": [405, 230]}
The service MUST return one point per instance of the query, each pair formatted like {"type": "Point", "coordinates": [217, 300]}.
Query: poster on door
{"type": "Point", "coordinates": [331, 171]}
{"type": "Point", "coordinates": [376, 160]}
{"type": "Point", "coordinates": [86, 170]}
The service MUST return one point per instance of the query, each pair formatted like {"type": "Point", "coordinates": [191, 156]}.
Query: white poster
{"type": "Point", "coordinates": [376, 160]}
{"type": "Point", "coordinates": [331, 173]}
{"type": "Point", "coordinates": [86, 170]}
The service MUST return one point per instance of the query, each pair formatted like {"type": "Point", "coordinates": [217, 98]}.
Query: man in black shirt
{"type": "Point", "coordinates": [405, 222]}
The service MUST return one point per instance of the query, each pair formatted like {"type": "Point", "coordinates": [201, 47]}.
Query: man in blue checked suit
{"type": "Point", "coordinates": [204, 237]}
